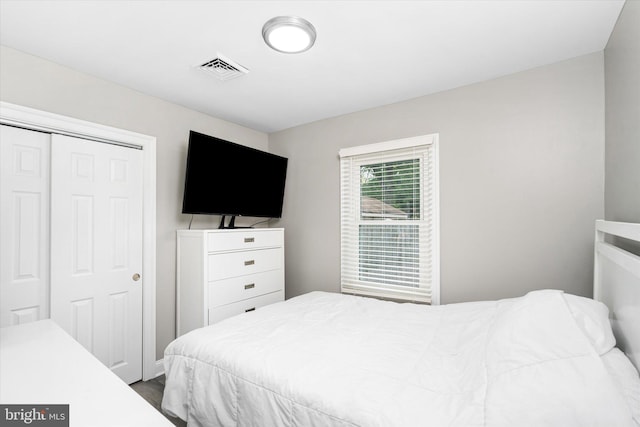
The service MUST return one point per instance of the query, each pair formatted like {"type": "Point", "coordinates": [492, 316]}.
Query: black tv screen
{"type": "Point", "coordinates": [224, 178]}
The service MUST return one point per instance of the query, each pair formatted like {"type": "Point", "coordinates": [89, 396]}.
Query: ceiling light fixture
{"type": "Point", "coordinates": [289, 34]}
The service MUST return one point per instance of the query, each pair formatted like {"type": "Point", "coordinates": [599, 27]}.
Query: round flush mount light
{"type": "Point", "coordinates": [289, 34]}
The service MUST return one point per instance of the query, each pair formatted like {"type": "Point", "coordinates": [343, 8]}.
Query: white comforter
{"type": "Point", "coordinates": [326, 359]}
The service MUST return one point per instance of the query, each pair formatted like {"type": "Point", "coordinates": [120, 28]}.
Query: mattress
{"type": "Point", "coordinates": [327, 359]}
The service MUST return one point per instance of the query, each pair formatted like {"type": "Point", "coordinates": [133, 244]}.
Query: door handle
{"type": "Point", "coordinates": [136, 277]}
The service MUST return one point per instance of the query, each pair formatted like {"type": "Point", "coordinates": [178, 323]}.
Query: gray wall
{"type": "Point", "coordinates": [622, 88]}
{"type": "Point", "coordinates": [521, 181]}
{"type": "Point", "coordinates": [33, 82]}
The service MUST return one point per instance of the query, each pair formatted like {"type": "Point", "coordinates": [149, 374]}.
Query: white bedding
{"type": "Point", "coordinates": [326, 359]}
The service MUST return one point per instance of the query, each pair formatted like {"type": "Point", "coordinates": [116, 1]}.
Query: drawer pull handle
{"type": "Point", "coordinates": [250, 262]}
{"type": "Point", "coordinates": [249, 239]}
{"type": "Point", "coordinates": [250, 286]}
{"type": "Point", "coordinates": [249, 309]}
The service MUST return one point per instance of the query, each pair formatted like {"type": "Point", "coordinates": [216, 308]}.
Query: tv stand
{"type": "Point", "coordinates": [232, 223]}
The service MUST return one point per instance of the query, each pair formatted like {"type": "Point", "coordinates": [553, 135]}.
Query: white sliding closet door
{"type": "Point", "coordinates": [24, 225]}
{"type": "Point", "coordinates": [96, 257]}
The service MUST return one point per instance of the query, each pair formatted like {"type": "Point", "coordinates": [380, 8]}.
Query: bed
{"type": "Point", "coordinates": [324, 359]}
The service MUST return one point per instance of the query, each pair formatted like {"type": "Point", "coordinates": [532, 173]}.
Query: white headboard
{"type": "Point", "coordinates": [617, 284]}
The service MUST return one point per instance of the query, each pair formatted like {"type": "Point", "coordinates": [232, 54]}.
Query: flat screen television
{"type": "Point", "coordinates": [229, 179]}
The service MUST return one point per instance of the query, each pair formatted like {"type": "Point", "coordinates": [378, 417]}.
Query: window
{"type": "Point", "coordinates": [389, 220]}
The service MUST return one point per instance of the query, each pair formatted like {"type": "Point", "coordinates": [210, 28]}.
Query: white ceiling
{"type": "Point", "coordinates": [367, 53]}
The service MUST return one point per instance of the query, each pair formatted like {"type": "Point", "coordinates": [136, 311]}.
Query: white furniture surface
{"type": "Point", "coordinates": [222, 273]}
{"type": "Point", "coordinates": [617, 284]}
{"type": "Point", "coordinates": [41, 364]}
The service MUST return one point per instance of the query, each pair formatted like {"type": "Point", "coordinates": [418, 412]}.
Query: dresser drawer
{"type": "Point", "coordinates": [219, 313]}
{"type": "Point", "coordinates": [234, 264]}
{"type": "Point", "coordinates": [243, 240]}
{"type": "Point", "coordinates": [222, 292]}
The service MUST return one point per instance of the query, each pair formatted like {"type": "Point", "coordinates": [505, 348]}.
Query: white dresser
{"type": "Point", "coordinates": [221, 273]}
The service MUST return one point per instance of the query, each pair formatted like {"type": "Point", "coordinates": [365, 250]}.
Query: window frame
{"type": "Point", "coordinates": [351, 159]}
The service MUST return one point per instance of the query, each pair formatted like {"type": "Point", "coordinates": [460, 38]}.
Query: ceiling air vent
{"type": "Point", "coordinates": [223, 68]}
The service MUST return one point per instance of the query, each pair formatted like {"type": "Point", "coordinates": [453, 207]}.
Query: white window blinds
{"type": "Point", "coordinates": [389, 220]}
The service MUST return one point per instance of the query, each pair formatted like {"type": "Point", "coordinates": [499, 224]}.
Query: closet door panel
{"type": "Point", "coordinates": [96, 217]}
{"type": "Point", "coordinates": [24, 225]}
